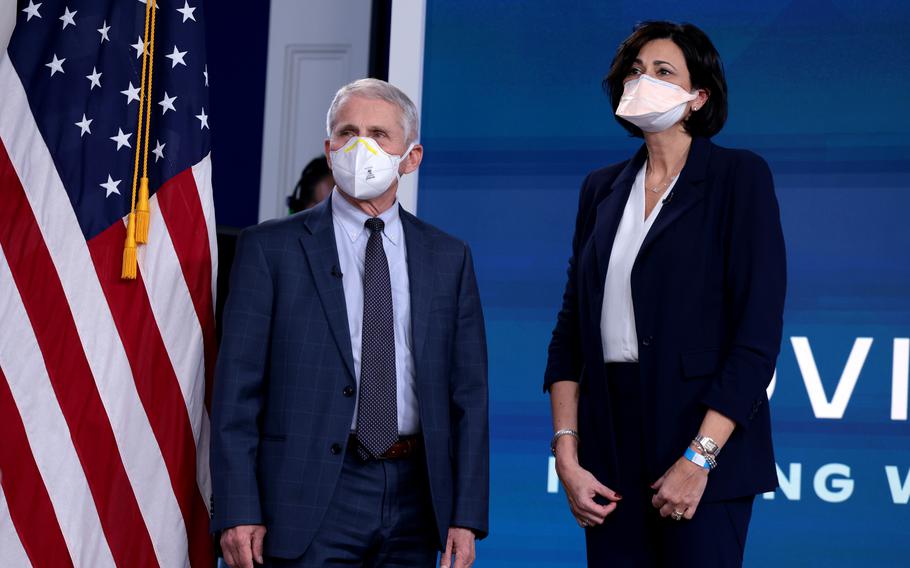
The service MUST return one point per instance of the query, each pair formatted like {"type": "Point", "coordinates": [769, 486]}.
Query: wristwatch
{"type": "Point", "coordinates": [708, 444]}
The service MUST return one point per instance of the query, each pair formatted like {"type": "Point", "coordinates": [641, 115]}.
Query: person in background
{"type": "Point", "coordinates": [671, 322]}
{"type": "Point", "coordinates": [350, 411]}
{"type": "Point", "coordinates": [314, 186]}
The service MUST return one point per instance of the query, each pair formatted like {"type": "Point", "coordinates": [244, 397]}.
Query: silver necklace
{"type": "Point", "coordinates": [663, 185]}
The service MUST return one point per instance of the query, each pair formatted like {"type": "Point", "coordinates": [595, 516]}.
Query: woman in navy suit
{"type": "Point", "coordinates": [671, 322]}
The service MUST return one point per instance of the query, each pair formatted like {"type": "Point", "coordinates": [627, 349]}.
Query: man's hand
{"type": "Point", "coordinates": [680, 489]}
{"type": "Point", "coordinates": [241, 545]}
{"type": "Point", "coordinates": [460, 544]}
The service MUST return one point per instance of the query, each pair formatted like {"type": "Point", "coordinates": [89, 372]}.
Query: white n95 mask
{"type": "Point", "coordinates": [363, 170]}
{"type": "Point", "coordinates": [653, 105]}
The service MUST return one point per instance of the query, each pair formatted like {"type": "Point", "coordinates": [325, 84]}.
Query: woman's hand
{"type": "Point", "coordinates": [680, 489]}
{"type": "Point", "coordinates": [581, 488]}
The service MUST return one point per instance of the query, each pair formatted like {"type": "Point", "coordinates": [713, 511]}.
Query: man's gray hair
{"type": "Point", "coordinates": [381, 90]}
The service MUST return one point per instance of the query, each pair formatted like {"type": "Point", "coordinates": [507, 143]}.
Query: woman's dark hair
{"type": "Point", "coordinates": [304, 192]}
{"type": "Point", "coordinates": [705, 71]}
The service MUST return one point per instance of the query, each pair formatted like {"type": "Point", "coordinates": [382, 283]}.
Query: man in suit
{"type": "Point", "coordinates": [349, 422]}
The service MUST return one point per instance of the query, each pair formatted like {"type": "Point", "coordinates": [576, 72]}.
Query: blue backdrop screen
{"type": "Point", "coordinates": [514, 117]}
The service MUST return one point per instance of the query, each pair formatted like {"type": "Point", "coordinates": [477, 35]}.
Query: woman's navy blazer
{"type": "Point", "coordinates": [708, 290]}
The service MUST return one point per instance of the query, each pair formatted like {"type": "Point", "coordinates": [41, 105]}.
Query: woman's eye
{"type": "Point", "coordinates": [664, 72]}
{"type": "Point", "coordinates": [634, 71]}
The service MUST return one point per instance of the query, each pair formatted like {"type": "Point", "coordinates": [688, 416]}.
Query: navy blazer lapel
{"type": "Point", "coordinates": [610, 209]}
{"type": "Point", "coordinates": [319, 245]}
{"type": "Point", "coordinates": [420, 279]}
{"type": "Point", "coordinates": [689, 190]}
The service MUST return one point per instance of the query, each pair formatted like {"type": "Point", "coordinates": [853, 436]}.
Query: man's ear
{"type": "Point", "coordinates": [412, 161]}
{"type": "Point", "coordinates": [328, 152]}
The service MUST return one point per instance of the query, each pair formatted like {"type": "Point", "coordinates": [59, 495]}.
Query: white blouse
{"type": "Point", "coordinates": [617, 316]}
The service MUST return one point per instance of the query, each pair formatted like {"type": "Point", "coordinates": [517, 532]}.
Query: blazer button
{"type": "Point", "coordinates": [348, 391]}
{"type": "Point", "coordinates": [335, 449]}
{"type": "Point", "coordinates": [647, 340]}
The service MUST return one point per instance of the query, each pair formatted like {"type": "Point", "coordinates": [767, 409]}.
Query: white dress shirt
{"type": "Point", "coordinates": [617, 315]}
{"type": "Point", "coordinates": [351, 238]}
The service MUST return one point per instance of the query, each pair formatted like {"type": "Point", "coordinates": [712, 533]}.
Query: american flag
{"type": "Point", "coordinates": [103, 382]}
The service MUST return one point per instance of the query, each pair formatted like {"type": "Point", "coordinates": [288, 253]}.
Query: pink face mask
{"type": "Point", "coordinates": [653, 105]}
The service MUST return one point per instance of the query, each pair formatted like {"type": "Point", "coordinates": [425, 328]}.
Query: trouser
{"type": "Point", "coordinates": [380, 515]}
{"type": "Point", "coordinates": [635, 534]}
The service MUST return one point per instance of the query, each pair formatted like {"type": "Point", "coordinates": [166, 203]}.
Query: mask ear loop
{"type": "Point", "coordinates": [401, 159]}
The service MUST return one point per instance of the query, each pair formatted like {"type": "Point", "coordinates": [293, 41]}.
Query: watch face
{"type": "Point", "coordinates": [709, 444]}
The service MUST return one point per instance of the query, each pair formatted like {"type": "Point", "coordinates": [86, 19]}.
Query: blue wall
{"type": "Point", "coordinates": [513, 119]}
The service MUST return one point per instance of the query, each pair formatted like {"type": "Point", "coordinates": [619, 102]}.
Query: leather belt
{"type": "Point", "coordinates": [405, 447]}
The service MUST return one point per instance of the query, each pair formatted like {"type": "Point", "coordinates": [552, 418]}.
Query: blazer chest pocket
{"type": "Point", "coordinates": [700, 363]}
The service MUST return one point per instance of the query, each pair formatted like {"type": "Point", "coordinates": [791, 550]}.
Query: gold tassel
{"type": "Point", "coordinates": [129, 250]}
{"type": "Point", "coordinates": [142, 212]}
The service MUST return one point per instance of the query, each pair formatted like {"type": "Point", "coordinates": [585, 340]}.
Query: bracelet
{"type": "Point", "coordinates": [559, 434]}
{"type": "Point", "coordinates": [701, 449]}
{"type": "Point", "coordinates": [712, 461]}
{"type": "Point", "coordinates": [710, 457]}
{"type": "Point", "coordinates": [698, 459]}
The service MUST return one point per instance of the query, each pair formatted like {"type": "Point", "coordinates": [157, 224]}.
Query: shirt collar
{"type": "Point", "coordinates": [352, 219]}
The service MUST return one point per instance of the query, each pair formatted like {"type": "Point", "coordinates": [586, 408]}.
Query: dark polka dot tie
{"type": "Point", "coordinates": [377, 409]}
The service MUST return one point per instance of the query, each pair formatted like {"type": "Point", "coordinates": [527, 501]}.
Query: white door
{"type": "Point", "coordinates": [315, 47]}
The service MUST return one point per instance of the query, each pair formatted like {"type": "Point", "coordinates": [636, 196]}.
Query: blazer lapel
{"type": "Point", "coordinates": [319, 245]}
{"type": "Point", "coordinates": [688, 191]}
{"type": "Point", "coordinates": [420, 278]}
{"type": "Point", "coordinates": [609, 212]}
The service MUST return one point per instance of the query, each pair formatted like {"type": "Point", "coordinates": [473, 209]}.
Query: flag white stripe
{"type": "Point", "coordinates": [47, 431]}
{"type": "Point", "coordinates": [203, 473]}
{"type": "Point", "coordinates": [202, 173]}
{"type": "Point", "coordinates": [13, 553]}
{"type": "Point", "coordinates": [175, 314]}
{"type": "Point", "coordinates": [104, 351]}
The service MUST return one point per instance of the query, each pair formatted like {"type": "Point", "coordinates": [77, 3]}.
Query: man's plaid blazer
{"type": "Point", "coordinates": [282, 409]}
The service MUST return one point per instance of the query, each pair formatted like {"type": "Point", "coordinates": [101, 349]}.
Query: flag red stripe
{"type": "Point", "coordinates": [93, 438]}
{"type": "Point", "coordinates": [157, 385]}
{"type": "Point", "coordinates": [183, 215]}
{"type": "Point", "coordinates": [29, 504]}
